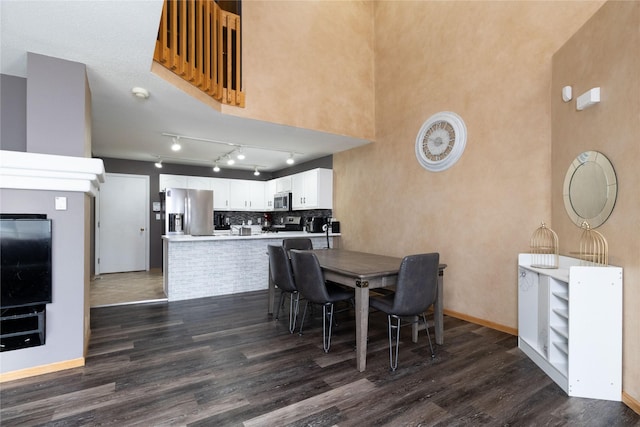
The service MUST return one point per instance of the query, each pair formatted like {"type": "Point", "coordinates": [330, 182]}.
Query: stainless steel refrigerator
{"type": "Point", "coordinates": [188, 211]}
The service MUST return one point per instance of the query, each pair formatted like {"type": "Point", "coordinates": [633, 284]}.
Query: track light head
{"type": "Point", "coordinates": [158, 164]}
{"type": "Point", "coordinates": [256, 172]}
{"type": "Point", "coordinates": [240, 155]}
{"type": "Point", "coordinates": [176, 144]}
{"type": "Point", "coordinates": [290, 160]}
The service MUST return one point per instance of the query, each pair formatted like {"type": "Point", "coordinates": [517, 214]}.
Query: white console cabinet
{"type": "Point", "coordinates": [570, 325]}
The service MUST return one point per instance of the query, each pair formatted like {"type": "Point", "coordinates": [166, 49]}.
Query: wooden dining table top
{"type": "Point", "coordinates": [361, 265]}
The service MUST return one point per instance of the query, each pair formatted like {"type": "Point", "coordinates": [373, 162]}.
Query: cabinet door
{"type": "Point", "coordinates": [269, 192]}
{"type": "Point", "coordinates": [256, 196]}
{"type": "Point", "coordinates": [220, 187]}
{"type": "Point", "coordinates": [298, 191]}
{"type": "Point", "coordinates": [172, 181]}
{"type": "Point", "coordinates": [528, 306]}
{"type": "Point", "coordinates": [239, 193]}
{"type": "Point", "coordinates": [198, 183]}
{"type": "Point", "coordinates": [283, 184]}
{"type": "Point", "coordinates": [313, 189]}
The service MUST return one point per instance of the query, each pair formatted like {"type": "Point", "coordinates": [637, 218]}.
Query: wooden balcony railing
{"type": "Point", "coordinates": [200, 42]}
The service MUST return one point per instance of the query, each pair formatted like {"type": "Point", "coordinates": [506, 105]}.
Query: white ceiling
{"type": "Point", "coordinates": [116, 39]}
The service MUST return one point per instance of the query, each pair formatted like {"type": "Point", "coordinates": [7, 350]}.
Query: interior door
{"type": "Point", "coordinates": [122, 224]}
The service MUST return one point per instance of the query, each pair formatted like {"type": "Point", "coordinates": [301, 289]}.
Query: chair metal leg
{"type": "Point", "coordinates": [393, 363]}
{"type": "Point", "coordinates": [327, 317]}
{"type": "Point", "coordinates": [426, 328]}
{"type": "Point", "coordinates": [303, 316]}
{"type": "Point", "coordinates": [280, 305]}
{"type": "Point", "coordinates": [293, 311]}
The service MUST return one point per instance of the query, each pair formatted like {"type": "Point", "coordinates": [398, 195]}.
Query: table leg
{"type": "Point", "coordinates": [272, 294]}
{"type": "Point", "coordinates": [438, 310]}
{"type": "Point", "coordinates": [362, 325]}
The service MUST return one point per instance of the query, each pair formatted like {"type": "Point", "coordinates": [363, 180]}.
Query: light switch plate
{"type": "Point", "coordinates": [61, 203]}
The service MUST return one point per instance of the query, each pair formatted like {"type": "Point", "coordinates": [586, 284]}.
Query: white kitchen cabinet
{"type": "Point", "coordinates": [198, 183]}
{"type": "Point", "coordinates": [283, 184]}
{"type": "Point", "coordinates": [220, 187]}
{"type": "Point", "coordinates": [246, 195]}
{"type": "Point", "coordinates": [570, 325]}
{"type": "Point", "coordinates": [269, 192]}
{"type": "Point", "coordinates": [172, 181]}
{"type": "Point", "coordinates": [312, 189]}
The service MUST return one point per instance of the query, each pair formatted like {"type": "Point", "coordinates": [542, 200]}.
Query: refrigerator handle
{"type": "Point", "coordinates": [187, 223]}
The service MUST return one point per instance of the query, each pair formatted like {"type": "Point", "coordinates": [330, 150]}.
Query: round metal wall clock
{"type": "Point", "coordinates": [441, 141]}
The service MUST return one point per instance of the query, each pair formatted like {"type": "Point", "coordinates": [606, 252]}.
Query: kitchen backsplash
{"type": "Point", "coordinates": [239, 217]}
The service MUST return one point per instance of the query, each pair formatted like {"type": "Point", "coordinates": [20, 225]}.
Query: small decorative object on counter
{"type": "Point", "coordinates": [594, 249]}
{"type": "Point", "coordinates": [544, 248]}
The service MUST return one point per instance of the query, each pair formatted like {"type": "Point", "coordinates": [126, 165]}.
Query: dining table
{"type": "Point", "coordinates": [363, 272]}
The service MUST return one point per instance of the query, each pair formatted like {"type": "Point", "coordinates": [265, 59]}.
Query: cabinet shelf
{"type": "Point", "coordinates": [563, 346]}
{"type": "Point", "coordinates": [562, 313]}
{"type": "Point", "coordinates": [561, 330]}
{"type": "Point", "coordinates": [22, 327]}
{"type": "Point", "coordinates": [562, 295]}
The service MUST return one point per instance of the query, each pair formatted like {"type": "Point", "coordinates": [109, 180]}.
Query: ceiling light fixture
{"type": "Point", "coordinates": [176, 144]}
{"type": "Point", "coordinates": [238, 149]}
{"type": "Point", "coordinates": [256, 172]}
{"type": "Point", "coordinates": [230, 160]}
{"type": "Point", "coordinates": [140, 92]}
{"type": "Point", "coordinates": [158, 164]}
{"type": "Point", "coordinates": [216, 168]}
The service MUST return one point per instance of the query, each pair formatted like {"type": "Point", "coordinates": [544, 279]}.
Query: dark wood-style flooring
{"type": "Point", "coordinates": [223, 361]}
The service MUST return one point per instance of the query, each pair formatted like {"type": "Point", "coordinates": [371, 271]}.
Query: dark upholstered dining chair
{"type": "Point", "coordinates": [416, 291]}
{"type": "Point", "coordinates": [311, 283]}
{"type": "Point", "coordinates": [282, 277]}
{"type": "Point", "coordinates": [302, 243]}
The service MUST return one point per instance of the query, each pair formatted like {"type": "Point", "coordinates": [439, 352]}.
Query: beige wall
{"type": "Point", "coordinates": [490, 62]}
{"type": "Point", "coordinates": [309, 64]}
{"type": "Point", "coordinates": [605, 53]}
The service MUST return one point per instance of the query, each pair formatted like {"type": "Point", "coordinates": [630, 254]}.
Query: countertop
{"type": "Point", "coordinates": [226, 236]}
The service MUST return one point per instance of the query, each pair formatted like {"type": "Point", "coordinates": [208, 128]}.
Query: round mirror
{"type": "Point", "coordinates": [590, 189]}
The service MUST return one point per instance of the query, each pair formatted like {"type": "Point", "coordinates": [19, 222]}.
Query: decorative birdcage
{"type": "Point", "coordinates": [544, 248]}
{"type": "Point", "coordinates": [594, 249]}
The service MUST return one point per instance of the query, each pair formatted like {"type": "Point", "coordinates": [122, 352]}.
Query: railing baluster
{"type": "Point", "coordinates": [201, 43]}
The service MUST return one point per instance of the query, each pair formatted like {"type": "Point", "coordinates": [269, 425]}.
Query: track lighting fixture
{"type": "Point", "coordinates": [216, 168]}
{"type": "Point", "coordinates": [158, 164]}
{"type": "Point", "coordinates": [290, 160]}
{"type": "Point", "coordinates": [176, 144]}
{"type": "Point", "coordinates": [256, 172]}
{"type": "Point", "coordinates": [240, 155]}
{"type": "Point", "coordinates": [230, 160]}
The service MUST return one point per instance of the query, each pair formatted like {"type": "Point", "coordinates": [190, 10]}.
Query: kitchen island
{"type": "Point", "coordinates": [204, 266]}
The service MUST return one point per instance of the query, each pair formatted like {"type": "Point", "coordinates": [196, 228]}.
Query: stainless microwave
{"type": "Point", "coordinates": [282, 202]}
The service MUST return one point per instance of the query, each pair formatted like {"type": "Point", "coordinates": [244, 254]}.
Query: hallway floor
{"type": "Point", "coordinates": [127, 288]}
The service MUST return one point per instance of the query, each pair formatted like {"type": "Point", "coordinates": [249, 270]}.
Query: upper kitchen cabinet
{"type": "Point", "coordinates": [312, 189]}
{"type": "Point", "coordinates": [198, 183]}
{"type": "Point", "coordinates": [220, 187]}
{"type": "Point", "coordinates": [245, 195]}
{"type": "Point", "coordinates": [269, 192]}
{"type": "Point", "coordinates": [172, 181]}
{"type": "Point", "coordinates": [283, 184]}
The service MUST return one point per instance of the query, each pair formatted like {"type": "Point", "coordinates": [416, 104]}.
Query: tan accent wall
{"type": "Point", "coordinates": [490, 62]}
{"type": "Point", "coordinates": [604, 53]}
{"type": "Point", "coordinates": [309, 64]}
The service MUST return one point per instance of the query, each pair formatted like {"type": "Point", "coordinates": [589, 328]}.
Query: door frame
{"type": "Point", "coordinates": [97, 222]}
